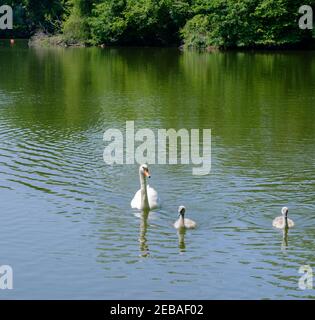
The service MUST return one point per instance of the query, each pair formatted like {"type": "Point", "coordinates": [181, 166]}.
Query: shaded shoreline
{"type": "Point", "coordinates": [42, 40]}
{"type": "Point", "coordinates": [45, 40]}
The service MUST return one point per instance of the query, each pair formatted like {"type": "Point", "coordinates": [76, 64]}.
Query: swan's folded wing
{"type": "Point", "coordinates": [153, 197]}
{"type": "Point", "coordinates": [176, 224]}
{"type": "Point", "coordinates": [291, 223]}
{"type": "Point", "coordinates": [277, 222]}
{"type": "Point", "coordinates": [136, 201]}
{"type": "Point", "coordinates": [190, 224]}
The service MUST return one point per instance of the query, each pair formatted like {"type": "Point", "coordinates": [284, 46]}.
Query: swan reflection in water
{"type": "Point", "coordinates": [285, 236]}
{"type": "Point", "coordinates": [181, 239]}
{"type": "Point", "coordinates": [144, 248]}
{"type": "Point", "coordinates": [143, 243]}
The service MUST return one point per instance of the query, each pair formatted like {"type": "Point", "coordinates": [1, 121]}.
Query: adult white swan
{"type": "Point", "coordinates": [146, 198]}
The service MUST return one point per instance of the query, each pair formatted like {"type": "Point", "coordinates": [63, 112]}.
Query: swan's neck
{"type": "Point", "coordinates": [181, 221]}
{"type": "Point", "coordinates": [285, 221]}
{"type": "Point", "coordinates": [144, 194]}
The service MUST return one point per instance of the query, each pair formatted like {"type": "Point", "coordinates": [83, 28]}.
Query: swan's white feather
{"type": "Point", "coordinates": [153, 199]}
{"type": "Point", "coordinates": [136, 201]}
{"type": "Point", "coordinates": [279, 223]}
{"type": "Point", "coordinates": [188, 224]}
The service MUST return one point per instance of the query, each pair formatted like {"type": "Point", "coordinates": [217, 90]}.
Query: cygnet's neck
{"type": "Point", "coordinates": [181, 220]}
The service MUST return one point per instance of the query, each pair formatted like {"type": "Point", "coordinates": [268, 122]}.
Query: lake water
{"type": "Point", "coordinates": [66, 225]}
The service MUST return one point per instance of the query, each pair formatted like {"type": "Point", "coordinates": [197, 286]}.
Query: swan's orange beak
{"type": "Point", "coordinates": [147, 174]}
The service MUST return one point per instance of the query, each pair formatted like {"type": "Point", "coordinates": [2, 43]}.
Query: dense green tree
{"type": "Point", "coordinates": [75, 27]}
{"type": "Point", "coordinates": [195, 23]}
{"type": "Point", "coordinates": [30, 15]}
{"type": "Point", "coordinates": [245, 23]}
{"type": "Point", "coordinates": [146, 22]}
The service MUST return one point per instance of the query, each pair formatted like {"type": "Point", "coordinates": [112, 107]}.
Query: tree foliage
{"type": "Point", "coordinates": [29, 15]}
{"type": "Point", "coordinates": [196, 23]}
{"type": "Point", "coordinates": [245, 23]}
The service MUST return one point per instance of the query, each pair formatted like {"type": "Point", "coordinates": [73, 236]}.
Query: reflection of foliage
{"type": "Point", "coordinates": [75, 88]}
{"type": "Point", "coordinates": [198, 23]}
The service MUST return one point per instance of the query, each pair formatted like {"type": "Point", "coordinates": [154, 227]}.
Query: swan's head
{"type": "Point", "coordinates": [285, 211]}
{"type": "Point", "coordinates": [144, 170]}
{"type": "Point", "coordinates": [181, 210]}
